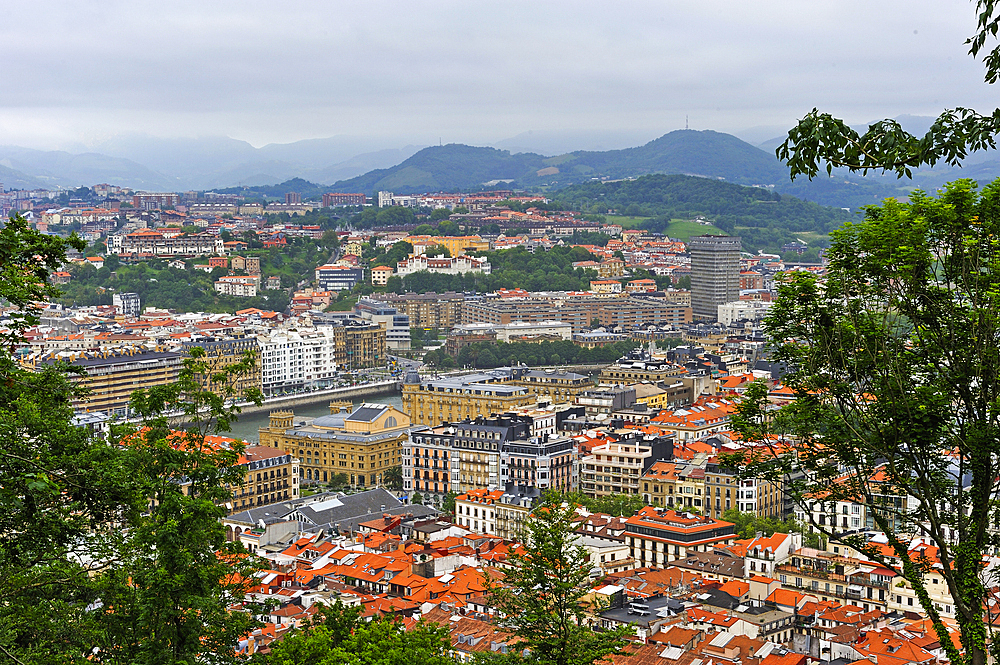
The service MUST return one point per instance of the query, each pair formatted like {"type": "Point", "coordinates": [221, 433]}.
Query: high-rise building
{"type": "Point", "coordinates": [715, 273]}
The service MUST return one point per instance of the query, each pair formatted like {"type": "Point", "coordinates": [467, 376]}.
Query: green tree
{"type": "Point", "coordinates": [819, 140]}
{"type": "Point", "coordinates": [417, 499]}
{"type": "Point", "coordinates": [448, 505]}
{"type": "Point", "coordinates": [312, 643]}
{"type": "Point", "coordinates": [894, 362]}
{"type": "Point", "coordinates": [171, 593]}
{"type": "Point", "coordinates": [541, 598]}
{"type": "Point", "coordinates": [62, 490]}
{"type": "Point", "coordinates": [393, 478]}
{"type": "Point", "coordinates": [486, 360]}
{"type": "Point", "coordinates": [447, 228]}
{"type": "Point", "coordinates": [439, 214]}
{"type": "Point", "coordinates": [330, 239]}
{"type": "Point", "coordinates": [338, 637]}
{"type": "Point", "coordinates": [340, 480]}
{"type": "Point", "coordinates": [438, 250]}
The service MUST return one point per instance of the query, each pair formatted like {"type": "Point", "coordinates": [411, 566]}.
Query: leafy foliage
{"type": "Point", "coordinates": [338, 637]}
{"type": "Point", "coordinates": [513, 268]}
{"type": "Point", "coordinates": [622, 505]}
{"type": "Point", "coordinates": [748, 524]}
{"type": "Point", "coordinates": [895, 362]}
{"type": "Point", "coordinates": [104, 557]}
{"type": "Point", "coordinates": [393, 478]}
{"type": "Point", "coordinates": [821, 141]}
{"type": "Point", "coordinates": [193, 290]}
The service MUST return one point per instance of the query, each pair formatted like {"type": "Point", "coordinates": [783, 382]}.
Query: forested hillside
{"type": "Point", "coordinates": [449, 167]}
{"type": "Point", "coordinates": [703, 153]}
{"type": "Point", "coordinates": [763, 218]}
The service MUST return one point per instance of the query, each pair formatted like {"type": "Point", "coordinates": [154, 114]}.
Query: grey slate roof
{"type": "Point", "coordinates": [366, 413]}
{"type": "Point", "coordinates": [333, 510]}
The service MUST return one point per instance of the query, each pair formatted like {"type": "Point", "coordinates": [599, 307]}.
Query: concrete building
{"type": "Point", "coordinates": [332, 199]}
{"type": "Point", "coordinates": [338, 278]}
{"type": "Point", "coordinates": [396, 324]}
{"type": "Point", "coordinates": [453, 399]}
{"type": "Point", "coordinates": [148, 243]}
{"type": "Point", "coordinates": [658, 536]}
{"type": "Point", "coordinates": [272, 475]}
{"type": "Point", "coordinates": [244, 286]}
{"type": "Point", "coordinates": [519, 330]}
{"type": "Point", "coordinates": [429, 310]}
{"type": "Point", "coordinates": [127, 304]}
{"type": "Point", "coordinates": [542, 462]}
{"type": "Point", "coordinates": [453, 266]}
{"type": "Point", "coordinates": [495, 512]}
{"type": "Point", "coordinates": [742, 310]}
{"type": "Point", "coordinates": [381, 275]}
{"type": "Point", "coordinates": [490, 452]}
{"type": "Point", "coordinates": [296, 360]}
{"type": "Point", "coordinates": [111, 378]}
{"type": "Point", "coordinates": [715, 273]}
{"type": "Point", "coordinates": [224, 353]}
{"type": "Point", "coordinates": [154, 201]}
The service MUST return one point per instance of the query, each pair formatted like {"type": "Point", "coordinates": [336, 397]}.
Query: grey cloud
{"type": "Point", "coordinates": [472, 72]}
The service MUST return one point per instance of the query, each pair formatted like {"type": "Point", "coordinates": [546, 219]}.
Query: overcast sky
{"type": "Point", "coordinates": [472, 72]}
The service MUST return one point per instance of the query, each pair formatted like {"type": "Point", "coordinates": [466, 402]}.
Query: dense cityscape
{"type": "Point", "coordinates": [523, 334]}
{"type": "Point", "coordinates": [506, 397]}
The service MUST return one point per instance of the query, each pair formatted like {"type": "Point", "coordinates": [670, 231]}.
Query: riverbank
{"type": "Point", "coordinates": [348, 394]}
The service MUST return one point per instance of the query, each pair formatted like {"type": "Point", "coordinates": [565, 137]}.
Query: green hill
{"type": "Point", "coordinates": [457, 166]}
{"type": "Point", "coordinates": [708, 154]}
{"type": "Point", "coordinates": [703, 153]}
{"type": "Point", "coordinates": [763, 218]}
{"type": "Point", "coordinates": [449, 167]}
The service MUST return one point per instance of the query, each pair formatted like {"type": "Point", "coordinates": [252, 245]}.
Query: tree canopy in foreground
{"type": "Point", "coordinates": [895, 363]}
{"type": "Point", "coordinates": [819, 140]}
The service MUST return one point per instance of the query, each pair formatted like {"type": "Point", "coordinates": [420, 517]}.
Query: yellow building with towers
{"type": "Point", "coordinates": [502, 390]}
{"type": "Point", "coordinates": [362, 444]}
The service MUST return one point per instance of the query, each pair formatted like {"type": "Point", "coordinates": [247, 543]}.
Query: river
{"type": "Point", "coordinates": [249, 425]}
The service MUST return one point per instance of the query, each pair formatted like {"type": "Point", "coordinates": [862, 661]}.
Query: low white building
{"type": "Point", "coordinates": [742, 310]}
{"type": "Point", "coordinates": [523, 328]}
{"type": "Point", "coordinates": [447, 266]}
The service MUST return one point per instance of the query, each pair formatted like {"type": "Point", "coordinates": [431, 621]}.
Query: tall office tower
{"type": "Point", "coordinates": [715, 273]}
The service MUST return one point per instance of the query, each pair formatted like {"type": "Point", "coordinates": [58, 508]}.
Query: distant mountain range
{"type": "Point", "coordinates": [355, 164]}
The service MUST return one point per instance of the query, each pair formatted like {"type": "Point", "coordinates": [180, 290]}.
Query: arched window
{"type": "Point", "coordinates": [390, 421]}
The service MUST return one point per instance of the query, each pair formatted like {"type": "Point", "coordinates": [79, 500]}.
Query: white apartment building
{"type": "Point", "coordinates": [236, 285]}
{"type": "Point", "coordinates": [296, 360]}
